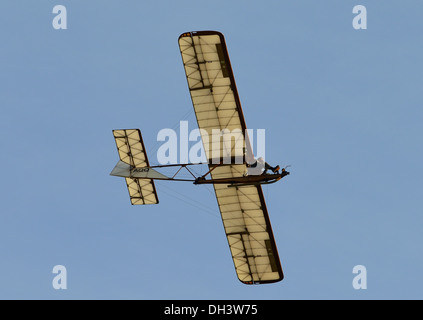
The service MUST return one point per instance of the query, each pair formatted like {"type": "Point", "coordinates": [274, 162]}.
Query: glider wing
{"type": "Point", "coordinates": [218, 109]}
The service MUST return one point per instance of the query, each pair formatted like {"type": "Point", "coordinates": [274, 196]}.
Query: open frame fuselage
{"type": "Point", "coordinates": [127, 171]}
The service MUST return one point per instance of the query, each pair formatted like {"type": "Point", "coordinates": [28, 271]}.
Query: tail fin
{"type": "Point", "coordinates": [125, 170]}
{"type": "Point", "coordinates": [122, 169]}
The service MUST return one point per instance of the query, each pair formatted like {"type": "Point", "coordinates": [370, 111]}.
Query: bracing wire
{"type": "Point", "coordinates": [187, 200]}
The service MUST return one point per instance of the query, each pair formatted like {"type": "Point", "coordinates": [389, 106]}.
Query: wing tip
{"type": "Point", "coordinates": [261, 282]}
{"type": "Point", "coordinates": [281, 277]}
{"type": "Point", "coordinates": [199, 33]}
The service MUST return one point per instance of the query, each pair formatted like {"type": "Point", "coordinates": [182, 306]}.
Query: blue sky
{"type": "Point", "coordinates": [342, 106]}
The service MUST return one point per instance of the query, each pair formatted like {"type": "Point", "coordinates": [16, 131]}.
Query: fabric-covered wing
{"type": "Point", "coordinates": [214, 95]}
{"type": "Point", "coordinates": [217, 107]}
{"type": "Point", "coordinates": [247, 227]}
{"type": "Point", "coordinates": [131, 151]}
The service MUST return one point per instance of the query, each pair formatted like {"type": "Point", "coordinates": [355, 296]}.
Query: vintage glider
{"type": "Point", "coordinates": [239, 196]}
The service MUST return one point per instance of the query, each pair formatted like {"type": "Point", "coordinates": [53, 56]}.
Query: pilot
{"type": "Point", "coordinates": [257, 167]}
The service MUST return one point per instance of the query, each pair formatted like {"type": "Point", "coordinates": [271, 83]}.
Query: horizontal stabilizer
{"type": "Point", "coordinates": [133, 156]}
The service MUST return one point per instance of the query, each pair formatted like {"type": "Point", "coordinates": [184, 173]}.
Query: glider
{"type": "Point", "coordinates": [239, 195]}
